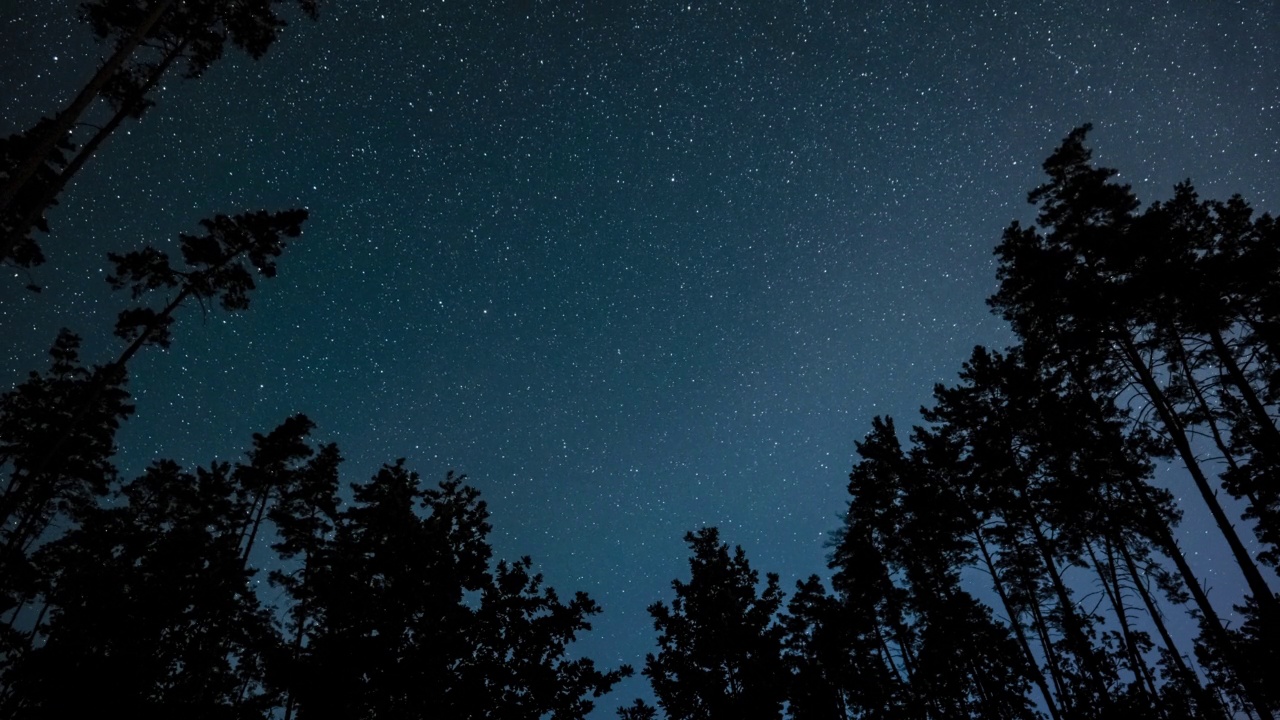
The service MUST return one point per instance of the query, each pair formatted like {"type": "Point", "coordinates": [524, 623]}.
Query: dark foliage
{"type": "Point", "coordinates": [150, 606]}
{"type": "Point", "coordinates": [146, 39]}
{"type": "Point", "coordinates": [720, 648]}
{"type": "Point", "coordinates": [1138, 331]}
{"type": "Point", "coordinates": [958, 575]}
{"type": "Point", "coordinates": [57, 439]}
{"type": "Point", "coordinates": [407, 618]}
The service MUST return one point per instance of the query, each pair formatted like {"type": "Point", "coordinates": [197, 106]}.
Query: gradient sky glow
{"type": "Point", "coordinates": [634, 266]}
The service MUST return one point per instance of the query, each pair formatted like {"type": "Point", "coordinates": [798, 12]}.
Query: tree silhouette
{"type": "Point", "coordinates": [146, 39]}
{"type": "Point", "coordinates": [1067, 288]}
{"type": "Point", "coordinates": [1155, 310]}
{"type": "Point", "coordinates": [406, 618]}
{"type": "Point", "coordinates": [304, 515]}
{"type": "Point", "coordinates": [149, 605]}
{"type": "Point", "coordinates": [393, 606]}
{"type": "Point", "coordinates": [908, 517]}
{"type": "Point", "coordinates": [57, 440]}
{"type": "Point", "coordinates": [818, 654]}
{"type": "Point", "coordinates": [1035, 447]}
{"type": "Point", "coordinates": [59, 428]}
{"type": "Point", "coordinates": [719, 647]}
{"type": "Point", "coordinates": [215, 267]}
{"type": "Point", "coordinates": [25, 211]}
{"type": "Point", "coordinates": [638, 710]}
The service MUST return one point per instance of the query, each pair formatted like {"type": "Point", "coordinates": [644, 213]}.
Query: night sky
{"type": "Point", "coordinates": [636, 266]}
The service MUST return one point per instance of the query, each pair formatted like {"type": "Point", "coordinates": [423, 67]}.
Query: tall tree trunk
{"type": "Point", "coordinates": [888, 657]}
{"type": "Point", "coordinates": [1073, 625]}
{"type": "Point", "coordinates": [900, 630]}
{"type": "Point", "coordinates": [1266, 426]}
{"type": "Point", "coordinates": [1065, 696]}
{"type": "Point", "coordinates": [1111, 586]}
{"type": "Point", "coordinates": [1184, 673]}
{"type": "Point", "coordinates": [87, 150]}
{"type": "Point", "coordinates": [1037, 675]}
{"type": "Point", "coordinates": [1253, 694]}
{"type": "Point", "coordinates": [988, 707]}
{"type": "Point", "coordinates": [1260, 509]}
{"type": "Point", "coordinates": [70, 115]}
{"type": "Point", "coordinates": [250, 533]}
{"type": "Point", "coordinates": [1177, 434]}
{"type": "Point", "coordinates": [1163, 535]}
{"type": "Point", "coordinates": [1194, 385]}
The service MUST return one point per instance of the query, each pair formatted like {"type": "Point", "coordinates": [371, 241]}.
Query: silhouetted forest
{"type": "Point", "coordinates": [1146, 336]}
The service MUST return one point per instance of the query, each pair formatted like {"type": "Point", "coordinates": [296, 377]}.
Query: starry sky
{"type": "Point", "coordinates": [635, 266]}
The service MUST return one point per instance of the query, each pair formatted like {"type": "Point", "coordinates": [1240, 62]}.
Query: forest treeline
{"type": "Point", "coordinates": [1010, 557]}
{"type": "Point", "coordinates": [140, 596]}
{"type": "Point", "coordinates": [1013, 556]}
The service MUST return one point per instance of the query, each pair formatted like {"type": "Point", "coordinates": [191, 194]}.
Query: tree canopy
{"type": "Point", "coordinates": [1011, 556]}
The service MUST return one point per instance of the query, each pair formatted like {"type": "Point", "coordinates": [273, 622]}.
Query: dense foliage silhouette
{"type": "Point", "coordinates": [958, 574]}
{"type": "Point", "coordinates": [719, 645]}
{"type": "Point", "coordinates": [139, 595]}
{"type": "Point", "coordinates": [146, 39]}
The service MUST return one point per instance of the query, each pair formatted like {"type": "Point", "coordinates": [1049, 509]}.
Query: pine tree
{"type": "Point", "coordinates": [59, 428]}
{"type": "Point", "coordinates": [818, 654]}
{"type": "Point", "coordinates": [719, 647]}
{"type": "Point", "coordinates": [907, 509]}
{"type": "Point", "coordinates": [57, 441]}
{"type": "Point", "coordinates": [1158, 307]}
{"type": "Point", "coordinates": [146, 40]}
{"type": "Point", "coordinates": [1039, 447]}
{"type": "Point", "coordinates": [407, 619]}
{"type": "Point", "coordinates": [150, 606]}
{"type": "Point", "coordinates": [304, 517]}
{"type": "Point", "coordinates": [1070, 287]}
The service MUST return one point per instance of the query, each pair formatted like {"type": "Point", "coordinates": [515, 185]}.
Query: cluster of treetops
{"type": "Point", "coordinates": [1145, 337]}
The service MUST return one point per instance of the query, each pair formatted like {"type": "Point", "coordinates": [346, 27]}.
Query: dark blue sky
{"type": "Point", "coordinates": [635, 266]}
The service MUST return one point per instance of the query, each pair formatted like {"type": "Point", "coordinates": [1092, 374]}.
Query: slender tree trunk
{"type": "Point", "coordinates": [1252, 692]}
{"type": "Point", "coordinates": [86, 151]}
{"type": "Point", "coordinates": [900, 631]}
{"type": "Point", "coordinates": [989, 709]}
{"type": "Point", "coordinates": [1037, 675]}
{"type": "Point", "coordinates": [11, 487]}
{"type": "Point", "coordinates": [841, 708]}
{"type": "Point", "coordinates": [32, 522]}
{"type": "Point", "coordinates": [69, 116]}
{"type": "Point", "coordinates": [1111, 584]}
{"type": "Point", "coordinates": [1159, 526]}
{"type": "Point", "coordinates": [35, 627]}
{"type": "Point", "coordinates": [251, 533]}
{"type": "Point", "coordinates": [888, 656]}
{"type": "Point", "coordinates": [1177, 434]}
{"type": "Point", "coordinates": [1073, 625]}
{"type": "Point", "coordinates": [297, 651]}
{"type": "Point", "coordinates": [1261, 510]}
{"type": "Point", "coordinates": [16, 612]}
{"type": "Point", "coordinates": [1265, 336]}
{"type": "Point", "coordinates": [1185, 674]}
{"type": "Point", "coordinates": [1203, 405]}
{"type": "Point", "coordinates": [1266, 425]}
{"type": "Point", "coordinates": [1065, 697]}
{"type": "Point", "coordinates": [301, 613]}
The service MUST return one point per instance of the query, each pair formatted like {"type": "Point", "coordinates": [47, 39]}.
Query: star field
{"type": "Point", "coordinates": [635, 267]}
